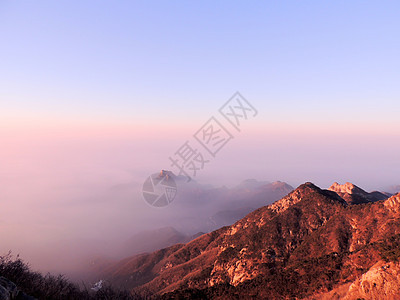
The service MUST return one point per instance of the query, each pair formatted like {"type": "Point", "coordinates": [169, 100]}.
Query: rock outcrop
{"type": "Point", "coordinates": [355, 195]}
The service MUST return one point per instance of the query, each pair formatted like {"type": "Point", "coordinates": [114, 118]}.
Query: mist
{"type": "Point", "coordinates": [69, 199]}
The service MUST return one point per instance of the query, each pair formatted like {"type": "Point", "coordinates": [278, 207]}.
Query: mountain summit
{"type": "Point", "coordinates": [307, 192]}
{"type": "Point", "coordinates": [352, 194]}
{"type": "Point", "coordinates": [347, 188]}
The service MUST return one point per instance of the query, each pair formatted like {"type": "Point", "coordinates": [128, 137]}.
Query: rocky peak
{"type": "Point", "coordinates": [305, 192]}
{"type": "Point", "coordinates": [348, 188]}
{"type": "Point", "coordinates": [167, 174]}
{"type": "Point", "coordinates": [352, 194]}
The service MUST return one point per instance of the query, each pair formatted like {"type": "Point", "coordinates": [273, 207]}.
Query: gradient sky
{"type": "Point", "coordinates": [106, 62]}
{"type": "Point", "coordinates": [95, 94]}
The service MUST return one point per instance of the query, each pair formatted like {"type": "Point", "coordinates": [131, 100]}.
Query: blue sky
{"type": "Point", "coordinates": [174, 59]}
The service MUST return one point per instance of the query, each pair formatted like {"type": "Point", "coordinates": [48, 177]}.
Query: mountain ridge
{"type": "Point", "coordinates": [307, 233]}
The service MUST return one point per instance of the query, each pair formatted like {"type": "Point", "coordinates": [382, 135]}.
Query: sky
{"type": "Point", "coordinates": [99, 94]}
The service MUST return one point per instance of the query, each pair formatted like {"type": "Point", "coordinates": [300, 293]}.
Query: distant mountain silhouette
{"type": "Point", "coordinates": [246, 197]}
{"type": "Point", "coordinates": [203, 207]}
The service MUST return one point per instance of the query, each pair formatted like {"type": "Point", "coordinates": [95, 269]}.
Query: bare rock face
{"type": "Point", "coordinates": [382, 281]}
{"type": "Point", "coordinates": [348, 188]}
{"type": "Point", "coordinates": [355, 195]}
{"type": "Point", "coordinates": [393, 203]}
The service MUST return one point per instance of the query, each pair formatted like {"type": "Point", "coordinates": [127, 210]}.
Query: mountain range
{"type": "Point", "coordinates": [203, 208]}
{"type": "Point", "coordinates": [197, 209]}
{"type": "Point", "coordinates": [339, 243]}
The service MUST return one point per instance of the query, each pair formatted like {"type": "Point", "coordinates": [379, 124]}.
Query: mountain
{"type": "Point", "coordinates": [245, 198]}
{"type": "Point", "coordinates": [203, 208]}
{"type": "Point", "coordinates": [256, 194]}
{"type": "Point", "coordinates": [198, 208]}
{"type": "Point", "coordinates": [310, 243]}
{"type": "Point", "coordinates": [355, 195]}
{"type": "Point", "coordinates": [251, 184]}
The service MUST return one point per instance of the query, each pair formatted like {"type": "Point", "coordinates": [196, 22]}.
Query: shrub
{"type": "Point", "coordinates": [53, 287]}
